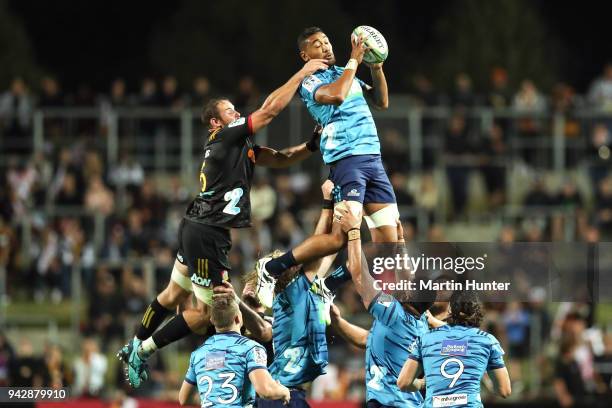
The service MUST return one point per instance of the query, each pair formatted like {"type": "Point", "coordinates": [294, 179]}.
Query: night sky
{"type": "Point", "coordinates": [95, 41]}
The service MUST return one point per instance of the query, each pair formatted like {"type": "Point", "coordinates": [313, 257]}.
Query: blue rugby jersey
{"type": "Point", "coordinates": [298, 334]}
{"type": "Point", "coordinates": [220, 368]}
{"type": "Point", "coordinates": [392, 333]}
{"type": "Point", "coordinates": [348, 129]}
{"type": "Point", "coordinates": [454, 359]}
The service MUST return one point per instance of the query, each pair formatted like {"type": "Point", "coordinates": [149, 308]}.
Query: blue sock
{"type": "Point", "coordinates": [337, 278]}
{"type": "Point", "coordinates": [279, 265]}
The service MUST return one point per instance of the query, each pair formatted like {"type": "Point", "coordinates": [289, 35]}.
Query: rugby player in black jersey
{"type": "Point", "coordinates": [229, 157]}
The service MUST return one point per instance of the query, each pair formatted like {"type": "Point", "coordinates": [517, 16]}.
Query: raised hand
{"type": "Point", "coordinates": [313, 66]}
{"type": "Point", "coordinates": [358, 48]}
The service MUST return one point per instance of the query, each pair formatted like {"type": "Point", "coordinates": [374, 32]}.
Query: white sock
{"type": "Point", "coordinates": [147, 347]}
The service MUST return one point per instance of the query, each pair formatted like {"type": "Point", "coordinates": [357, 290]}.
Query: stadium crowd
{"type": "Point", "coordinates": [64, 210]}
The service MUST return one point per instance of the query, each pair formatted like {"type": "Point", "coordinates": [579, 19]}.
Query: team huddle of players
{"type": "Point", "coordinates": [268, 361]}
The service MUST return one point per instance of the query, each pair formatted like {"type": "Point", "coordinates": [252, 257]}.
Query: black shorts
{"type": "Point", "coordinates": [204, 249]}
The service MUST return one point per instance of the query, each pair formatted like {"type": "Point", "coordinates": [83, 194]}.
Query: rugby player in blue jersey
{"type": "Point", "coordinates": [300, 318]}
{"type": "Point", "coordinates": [335, 98]}
{"type": "Point", "coordinates": [398, 321]}
{"type": "Point", "coordinates": [228, 369]}
{"type": "Point", "coordinates": [455, 357]}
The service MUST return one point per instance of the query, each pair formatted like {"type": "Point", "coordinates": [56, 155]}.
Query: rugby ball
{"type": "Point", "coordinates": [374, 40]}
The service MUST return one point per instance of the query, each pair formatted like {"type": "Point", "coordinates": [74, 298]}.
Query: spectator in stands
{"type": "Point", "coordinates": [600, 92]}
{"type": "Point", "coordinates": [568, 383]}
{"type": "Point", "coordinates": [26, 370]}
{"type": "Point", "coordinates": [118, 94]}
{"type": "Point", "coordinates": [424, 92]}
{"type": "Point", "coordinates": [105, 316]}
{"type": "Point", "coordinates": [516, 323]}
{"type": "Point", "coordinates": [600, 147]}
{"type": "Point", "coordinates": [15, 114]}
{"type": "Point", "coordinates": [137, 235]}
{"type": "Point", "coordinates": [58, 374]}
{"type": "Point", "coordinates": [98, 198]}
{"type": "Point", "coordinates": [170, 96]}
{"type": "Point", "coordinates": [90, 370]}
{"type": "Point", "coordinates": [463, 96]}
{"type": "Point", "coordinates": [7, 355]}
{"type": "Point", "coordinates": [148, 93]}
{"type": "Point", "coordinates": [538, 195]}
{"type": "Point", "coordinates": [458, 156]}
{"type": "Point", "coordinates": [46, 252]}
{"type": "Point", "coordinates": [51, 93]}
{"type": "Point", "coordinates": [399, 181]}
{"type": "Point", "coordinates": [69, 194]}
{"type": "Point", "coordinates": [528, 100]}
{"type": "Point", "coordinates": [263, 199]}
{"type": "Point", "coordinates": [201, 92]}
{"type": "Point", "coordinates": [603, 205]}
{"type": "Point", "coordinates": [152, 204]}
{"type": "Point", "coordinates": [499, 96]}
{"type": "Point", "coordinates": [493, 165]}
{"type": "Point", "coordinates": [426, 193]}
{"type": "Point", "coordinates": [128, 173]}
{"type": "Point", "coordinates": [247, 94]}
{"type": "Point", "coordinates": [394, 150]}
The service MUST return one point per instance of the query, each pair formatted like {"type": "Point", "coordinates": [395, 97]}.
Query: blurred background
{"type": "Point", "coordinates": [499, 129]}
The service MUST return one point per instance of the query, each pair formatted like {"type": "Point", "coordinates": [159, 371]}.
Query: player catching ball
{"type": "Point", "coordinates": [335, 98]}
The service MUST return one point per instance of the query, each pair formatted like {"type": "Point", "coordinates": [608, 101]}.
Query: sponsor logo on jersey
{"type": "Point", "coordinates": [215, 360]}
{"type": "Point", "coordinates": [353, 193]}
{"type": "Point", "coordinates": [454, 347]}
{"type": "Point", "coordinates": [237, 122]}
{"type": "Point", "coordinates": [207, 153]}
{"type": "Point", "coordinates": [311, 82]}
{"type": "Point", "coordinates": [451, 400]}
{"type": "Point", "coordinates": [260, 356]}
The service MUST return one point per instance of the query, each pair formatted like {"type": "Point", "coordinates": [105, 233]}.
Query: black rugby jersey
{"type": "Point", "coordinates": [225, 177]}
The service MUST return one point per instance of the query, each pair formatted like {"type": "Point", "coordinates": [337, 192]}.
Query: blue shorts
{"type": "Point", "coordinates": [298, 400]}
{"type": "Point", "coordinates": [362, 178]}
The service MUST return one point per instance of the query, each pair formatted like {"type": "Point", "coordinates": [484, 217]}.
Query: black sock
{"type": "Point", "coordinates": [174, 330]}
{"type": "Point", "coordinates": [153, 317]}
{"type": "Point", "coordinates": [279, 265]}
{"type": "Point", "coordinates": [337, 278]}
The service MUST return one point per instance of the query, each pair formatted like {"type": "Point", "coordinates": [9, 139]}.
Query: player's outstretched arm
{"type": "Point", "coordinates": [501, 381]}
{"type": "Point", "coordinates": [378, 93]}
{"type": "Point", "coordinates": [407, 379]}
{"type": "Point", "coordinates": [324, 225]}
{"type": "Point", "coordinates": [355, 335]}
{"type": "Point", "coordinates": [357, 263]}
{"type": "Point", "coordinates": [266, 387]}
{"type": "Point", "coordinates": [259, 329]}
{"type": "Point", "coordinates": [280, 98]}
{"type": "Point", "coordinates": [336, 92]}
{"type": "Point", "coordinates": [185, 392]}
{"type": "Point", "coordinates": [278, 159]}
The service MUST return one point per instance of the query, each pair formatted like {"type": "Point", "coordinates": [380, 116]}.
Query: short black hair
{"type": "Point", "coordinates": [210, 110]}
{"type": "Point", "coordinates": [305, 34]}
{"type": "Point", "coordinates": [466, 309]}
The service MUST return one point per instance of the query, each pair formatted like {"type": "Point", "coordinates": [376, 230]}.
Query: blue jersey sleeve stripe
{"type": "Point", "coordinates": [495, 366]}
{"type": "Point", "coordinates": [373, 302]}
{"type": "Point", "coordinates": [415, 358]}
{"type": "Point", "coordinates": [315, 89]}
{"type": "Point", "coordinates": [256, 368]}
{"type": "Point", "coordinates": [187, 380]}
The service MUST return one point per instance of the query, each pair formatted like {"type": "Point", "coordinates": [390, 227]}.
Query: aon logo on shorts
{"type": "Point", "coordinates": [206, 282]}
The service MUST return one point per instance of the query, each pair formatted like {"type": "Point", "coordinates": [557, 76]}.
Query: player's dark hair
{"type": "Point", "coordinates": [466, 309]}
{"type": "Point", "coordinates": [211, 110]}
{"type": "Point", "coordinates": [305, 34]}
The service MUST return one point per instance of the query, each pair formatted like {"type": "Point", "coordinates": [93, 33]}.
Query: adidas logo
{"type": "Point", "coordinates": [353, 193]}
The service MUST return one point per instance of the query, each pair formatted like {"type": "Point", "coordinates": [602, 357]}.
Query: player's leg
{"type": "Point", "coordinates": [380, 206]}
{"type": "Point", "coordinates": [350, 183]}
